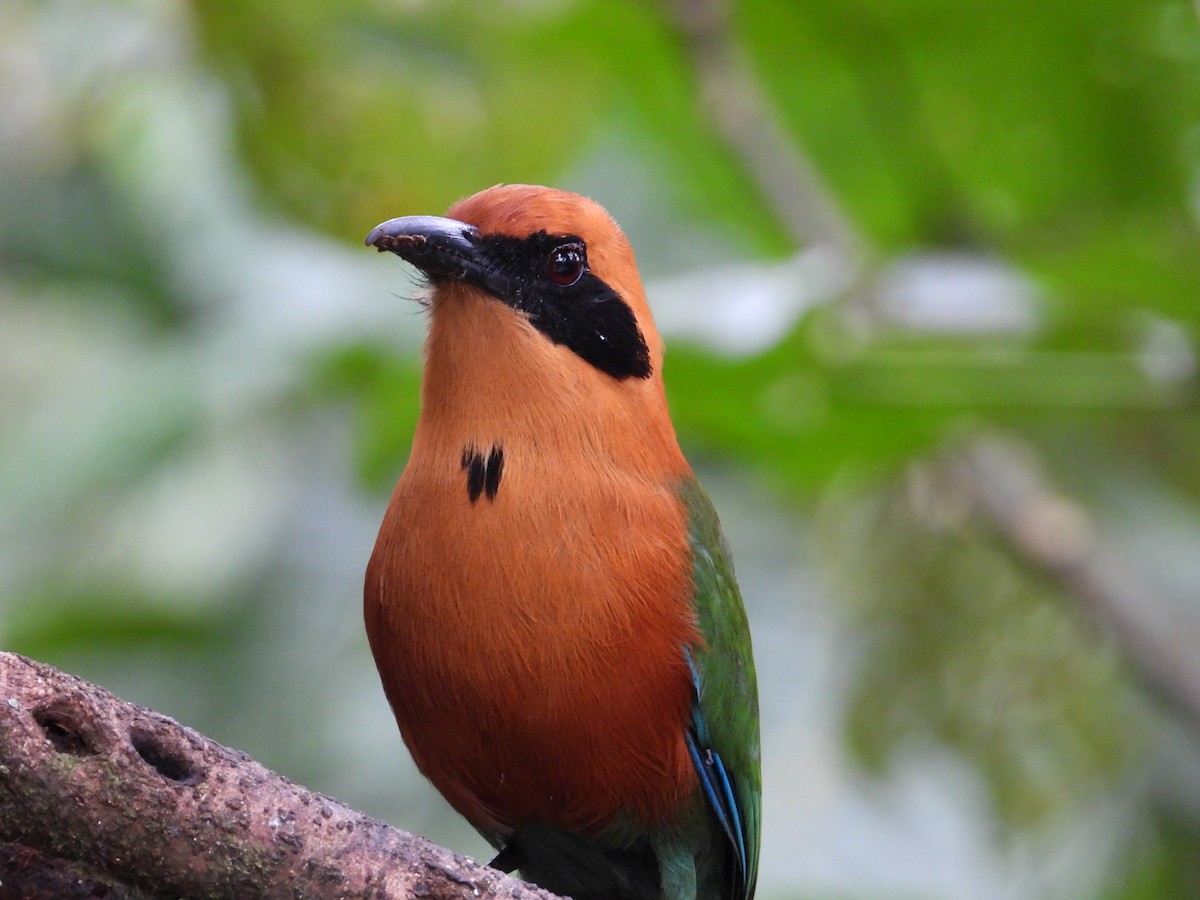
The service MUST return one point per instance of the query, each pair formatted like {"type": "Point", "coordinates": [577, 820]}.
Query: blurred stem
{"type": "Point", "coordinates": [1006, 488]}
{"type": "Point", "coordinates": [741, 114]}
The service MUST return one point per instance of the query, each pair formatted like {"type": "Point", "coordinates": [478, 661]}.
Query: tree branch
{"type": "Point", "coordinates": [130, 796]}
{"type": "Point", "coordinates": [1007, 489]}
{"type": "Point", "coordinates": [26, 874]}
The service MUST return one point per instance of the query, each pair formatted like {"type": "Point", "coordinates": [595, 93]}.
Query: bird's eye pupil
{"type": "Point", "coordinates": [566, 264]}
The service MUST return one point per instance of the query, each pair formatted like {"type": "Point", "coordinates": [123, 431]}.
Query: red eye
{"type": "Point", "coordinates": [566, 264]}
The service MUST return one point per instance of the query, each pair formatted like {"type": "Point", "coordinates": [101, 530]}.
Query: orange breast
{"type": "Point", "coordinates": [531, 644]}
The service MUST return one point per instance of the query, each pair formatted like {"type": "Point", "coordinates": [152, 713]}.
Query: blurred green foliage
{"type": "Point", "coordinates": [1055, 144]}
{"type": "Point", "coordinates": [351, 110]}
{"type": "Point", "coordinates": [999, 668]}
{"type": "Point", "coordinates": [1059, 139]}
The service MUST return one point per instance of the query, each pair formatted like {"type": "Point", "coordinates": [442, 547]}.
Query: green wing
{"type": "Point", "coordinates": [725, 723]}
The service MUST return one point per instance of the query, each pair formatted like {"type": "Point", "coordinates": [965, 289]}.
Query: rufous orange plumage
{"type": "Point", "coordinates": [549, 602]}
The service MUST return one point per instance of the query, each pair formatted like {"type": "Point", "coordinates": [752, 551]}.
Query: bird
{"type": "Point", "coordinates": [550, 602]}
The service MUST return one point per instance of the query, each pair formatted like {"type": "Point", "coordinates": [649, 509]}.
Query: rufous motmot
{"type": "Point", "coordinates": [551, 603]}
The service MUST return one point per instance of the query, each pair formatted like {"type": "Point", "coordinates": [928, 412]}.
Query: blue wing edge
{"type": "Point", "coordinates": [718, 789]}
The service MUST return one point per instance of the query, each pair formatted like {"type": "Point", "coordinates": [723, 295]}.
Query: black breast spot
{"type": "Point", "coordinates": [483, 472]}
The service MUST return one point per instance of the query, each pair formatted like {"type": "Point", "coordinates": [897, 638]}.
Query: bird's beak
{"type": "Point", "coordinates": [440, 247]}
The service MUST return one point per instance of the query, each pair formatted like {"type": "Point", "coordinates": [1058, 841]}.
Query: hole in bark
{"type": "Point", "coordinates": [170, 762]}
{"type": "Point", "coordinates": [64, 727]}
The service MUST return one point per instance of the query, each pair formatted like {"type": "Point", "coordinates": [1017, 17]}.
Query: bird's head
{"type": "Point", "coordinates": [539, 329]}
{"type": "Point", "coordinates": [554, 258]}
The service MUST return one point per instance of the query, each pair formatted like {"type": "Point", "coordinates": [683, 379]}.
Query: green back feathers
{"type": "Point", "coordinates": [726, 720]}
